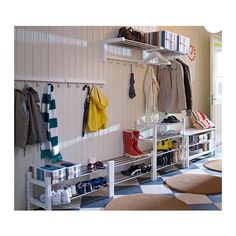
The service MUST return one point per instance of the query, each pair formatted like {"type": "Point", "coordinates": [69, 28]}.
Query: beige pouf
{"type": "Point", "coordinates": [195, 183]}
{"type": "Point", "coordinates": [146, 202]}
{"type": "Point", "coordinates": [214, 165]}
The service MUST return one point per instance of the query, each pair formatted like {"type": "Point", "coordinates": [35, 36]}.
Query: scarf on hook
{"type": "Point", "coordinates": [50, 148]}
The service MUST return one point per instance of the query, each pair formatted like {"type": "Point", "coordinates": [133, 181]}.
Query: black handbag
{"type": "Point", "coordinates": [131, 34]}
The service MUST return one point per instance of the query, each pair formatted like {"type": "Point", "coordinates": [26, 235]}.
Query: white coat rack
{"type": "Point", "coordinates": [58, 82]}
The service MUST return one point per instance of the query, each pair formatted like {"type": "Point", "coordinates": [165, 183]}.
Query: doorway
{"type": "Point", "coordinates": [216, 85]}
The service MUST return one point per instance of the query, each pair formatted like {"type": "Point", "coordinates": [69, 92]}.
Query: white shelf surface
{"type": "Point", "coordinates": [192, 131]}
{"type": "Point", "coordinates": [200, 154]}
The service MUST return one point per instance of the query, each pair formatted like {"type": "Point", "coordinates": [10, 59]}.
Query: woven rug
{"type": "Point", "coordinates": [214, 165]}
{"type": "Point", "coordinates": [195, 183]}
{"type": "Point", "coordinates": [146, 202]}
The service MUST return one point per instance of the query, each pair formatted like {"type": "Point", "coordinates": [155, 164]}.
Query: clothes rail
{"type": "Point", "coordinates": [97, 82]}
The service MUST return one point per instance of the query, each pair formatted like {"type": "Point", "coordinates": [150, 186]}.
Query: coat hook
{"type": "Point", "coordinates": [68, 85]}
{"type": "Point", "coordinates": [77, 85]}
{"type": "Point", "coordinates": [37, 84]}
{"type": "Point", "coordinates": [58, 85]}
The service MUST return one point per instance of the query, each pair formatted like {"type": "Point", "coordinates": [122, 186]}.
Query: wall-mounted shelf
{"type": "Point", "coordinates": [122, 42]}
{"type": "Point", "coordinates": [130, 43]}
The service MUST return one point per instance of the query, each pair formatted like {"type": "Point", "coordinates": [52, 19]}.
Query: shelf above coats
{"type": "Point", "coordinates": [119, 55]}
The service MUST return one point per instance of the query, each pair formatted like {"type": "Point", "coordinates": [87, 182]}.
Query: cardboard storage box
{"type": "Point", "coordinates": [73, 170]}
{"type": "Point", "coordinates": [165, 39]}
{"type": "Point", "coordinates": [183, 44]}
{"type": "Point", "coordinates": [56, 173]}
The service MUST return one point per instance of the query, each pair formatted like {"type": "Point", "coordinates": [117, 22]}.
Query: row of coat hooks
{"type": "Point", "coordinates": [101, 83]}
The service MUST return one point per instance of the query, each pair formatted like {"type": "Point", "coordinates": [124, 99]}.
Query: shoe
{"type": "Point", "coordinates": [65, 196]}
{"type": "Point", "coordinates": [90, 167]}
{"type": "Point", "coordinates": [132, 171]}
{"type": "Point", "coordinates": [95, 183]}
{"type": "Point", "coordinates": [143, 167]}
{"type": "Point", "coordinates": [73, 190]}
{"type": "Point", "coordinates": [80, 188]}
{"type": "Point", "coordinates": [160, 161]}
{"type": "Point", "coordinates": [103, 181]}
{"type": "Point", "coordinates": [170, 144]}
{"type": "Point", "coordinates": [100, 165]}
{"type": "Point", "coordinates": [128, 141]}
{"type": "Point", "coordinates": [42, 197]}
{"type": "Point", "coordinates": [170, 119]}
{"type": "Point", "coordinates": [88, 186]}
{"type": "Point", "coordinates": [174, 119]}
{"type": "Point", "coordinates": [163, 145]}
{"type": "Point", "coordinates": [56, 198]}
{"type": "Point", "coordinates": [136, 134]}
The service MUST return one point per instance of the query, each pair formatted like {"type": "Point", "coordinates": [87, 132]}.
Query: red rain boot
{"type": "Point", "coordinates": [128, 140]}
{"type": "Point", "coordinates": [135, 143]}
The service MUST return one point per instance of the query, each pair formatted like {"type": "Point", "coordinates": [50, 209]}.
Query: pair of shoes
{"type": "Point", "coordinates": [165, 145]}
{"type": "Point", "coordinates": [97, 165]}
{"type": "Point", "coordinates": [132, 171]}
{"type": "Point", "coordinates": [130, 141]}
{"type": "Point", "coordinates": [83, 187]}
{"type": "Point", "coordinates": [99, 182]}
{"type": "Point", "coordinates": [164, 160]}
{"type": "Point", "coordinates": [145, 167]}
{"type": "Point", "coordinates": [170, 119]}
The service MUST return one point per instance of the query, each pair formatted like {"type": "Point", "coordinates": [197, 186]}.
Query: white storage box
{"type": "Point", "coordinates": [73, 170]}
{"type": "Point", "coordinates": [183, 44]}
{"type": "Point", "coordinates": [56, 173]}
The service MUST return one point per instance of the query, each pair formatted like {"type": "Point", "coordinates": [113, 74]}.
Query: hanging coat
{"type": "Point", "coordinates": [151, 91]}
{"type": "Point", "coordinates": [50, 148]}
{"type": "Point", "coordinates": [172, 97]}
{"type": "Point", "coordinates": [21, 121]}
{"type": "Point", "coordinates": [97, 117]}
{"type": "Point", "coordinates": [187, 85]}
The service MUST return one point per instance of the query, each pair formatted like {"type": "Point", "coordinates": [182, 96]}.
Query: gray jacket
{"type": "Point", "coordinates": [172, 98]}
{"type": "Point", "coordinates": [29, 125]}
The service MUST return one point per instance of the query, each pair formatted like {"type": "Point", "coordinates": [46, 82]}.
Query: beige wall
{"type": "Point", "coordinates": [74, 53]}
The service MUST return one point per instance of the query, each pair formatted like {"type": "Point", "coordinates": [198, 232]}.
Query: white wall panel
{"type": "Point", "coordinates": [74, 53]}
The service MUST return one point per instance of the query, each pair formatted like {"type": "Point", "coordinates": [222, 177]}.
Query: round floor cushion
{"type": "Point", "coordinates": [214, 165]}
{"type": "Point", "coordinates": [195, 183]}
{"type": "Point", "coordinates": [146, 202]}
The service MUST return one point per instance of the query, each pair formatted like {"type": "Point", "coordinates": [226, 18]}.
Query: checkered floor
{"type": "Point", "coordinates": [98, 200]}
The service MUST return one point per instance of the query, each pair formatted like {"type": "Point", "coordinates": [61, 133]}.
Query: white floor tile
{"type": "Point", "coordinates": [193, 171]}
{"type": "Point", "coordinates": [129, 182]}
{"type": "Point", "coordinates": [191, 198]}
{"type": "Point", "coordinates": [219, 205]}
{"type": "Point", "coordinates": [156, 189]}
{"type": "Point", "coordinates": [92, 209]}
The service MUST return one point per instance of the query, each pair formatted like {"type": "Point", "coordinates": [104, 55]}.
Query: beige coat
{"type": "Point", "coordinates": [151, 91]}
{"type": "Point", "coordinates": [172, 98]}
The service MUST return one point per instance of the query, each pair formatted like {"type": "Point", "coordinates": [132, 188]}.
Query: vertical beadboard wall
{"type": "Point", "coordinates": [58, 53]}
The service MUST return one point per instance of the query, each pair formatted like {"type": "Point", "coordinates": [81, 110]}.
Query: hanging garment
{"type": "Point", "coordinates": [50, 148]}
{"type": "Point", "coordinates": [86, 109]}
{"type": "Point", "coordinates": [151, 91]}
{"type": "Point", "coordinates": [29, 127]}
{"type": "Point", "coordinates": [21, 121]}
{"type": "Point", "coordinates": [36, 129]}
{"type": "Point", "coordinates": [172, 97]}
{"type": "Point", "coordinates": [97, 117]}
{"type": "Point", "coordinates": [187, 85]}
{"type": "Point", "coordinates": [132, 92]}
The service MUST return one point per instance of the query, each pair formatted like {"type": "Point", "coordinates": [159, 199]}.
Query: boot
{"type": "Point", "coordinates": [135, 144]}
{"type": "Point", "coordinates": [128, 140]}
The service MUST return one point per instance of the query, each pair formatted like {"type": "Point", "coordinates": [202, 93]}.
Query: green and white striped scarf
{"type": "Point", "coordinates": [50, 148]}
